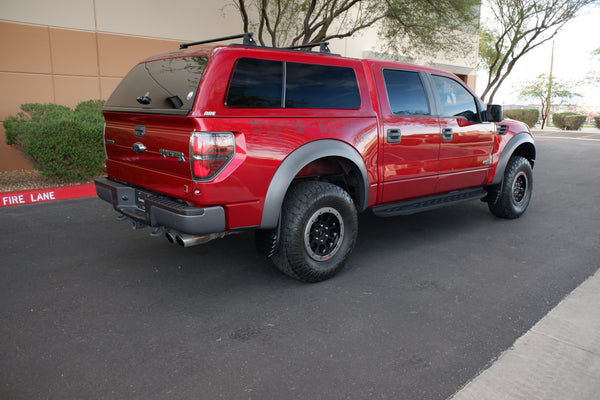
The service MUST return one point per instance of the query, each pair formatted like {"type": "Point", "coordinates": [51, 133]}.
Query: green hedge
{"type": "Point", "coordinates": [65, 144]}
{"type": "Point", "coordinates": [574, 122]}
{"type": "Point", "coordinates": [597, 121]}
{"type": "Point", "coordinates": [568, 120]}
{"type": "Point", "coordinates": [530, 117]}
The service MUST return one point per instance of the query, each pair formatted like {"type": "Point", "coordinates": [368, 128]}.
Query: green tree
{"type": "Point", "coordinates": [516, 27]}
{"type": "Point", "coordinates": [547, 92]}
{"type": "Point", "coordinates": [410, 26]}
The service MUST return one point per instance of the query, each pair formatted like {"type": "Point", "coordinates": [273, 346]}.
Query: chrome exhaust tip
{"type": "Point", "coordinates": [171, 237]}
{"type": "Point", "coordinates": [193, 240]}
{"type": "Point", "coordinates": [185, 240]}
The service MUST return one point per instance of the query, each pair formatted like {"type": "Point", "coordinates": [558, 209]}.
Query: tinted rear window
{"type": "Point", "coordinates": [321, 86]}
{"type": "Point", "coordinates": [256, 83]}
{"type": "Point", "coordinates": [162, 87]}
{"type": "Point", "coordinates": [260, 84]}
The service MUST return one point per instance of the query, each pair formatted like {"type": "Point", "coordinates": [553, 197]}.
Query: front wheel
{"type": "Point", "coordinates": [516, 191]}
{"type": "Point", "coordinates": [319, 226]}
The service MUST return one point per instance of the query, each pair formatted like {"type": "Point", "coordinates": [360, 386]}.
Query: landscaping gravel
{"type": "Point", "coordinates": [26, 179]}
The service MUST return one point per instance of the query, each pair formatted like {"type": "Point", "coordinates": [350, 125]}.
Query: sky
{"type": "Point", "coordinates": [572, 61]}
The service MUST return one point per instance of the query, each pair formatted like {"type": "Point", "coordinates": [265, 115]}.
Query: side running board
{"type": "Point", "coordinates": [429, 203]}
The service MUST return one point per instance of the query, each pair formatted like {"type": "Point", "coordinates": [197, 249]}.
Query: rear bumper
{"type": "Point", "coordinates": [157, 210]}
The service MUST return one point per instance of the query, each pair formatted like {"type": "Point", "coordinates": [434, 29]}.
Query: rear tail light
{"type": "Point", "coordinates": [210, 152]}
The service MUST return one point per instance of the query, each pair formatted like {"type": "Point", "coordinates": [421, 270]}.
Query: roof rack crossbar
{"type": "Point", "coordinates": [323, 47]}
{"type": "Point", "coordinates": [248, 40]}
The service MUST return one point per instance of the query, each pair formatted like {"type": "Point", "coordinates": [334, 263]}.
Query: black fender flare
{"type": "Point", "coordinates": [297, 160]}
{"type": "Point", "coordinates": [509, 149]}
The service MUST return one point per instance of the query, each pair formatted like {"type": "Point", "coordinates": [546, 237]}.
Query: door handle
{"type": "Point", "coordinates": [394, 136]}
{"type": "Point", "coordinates": [447, 134]}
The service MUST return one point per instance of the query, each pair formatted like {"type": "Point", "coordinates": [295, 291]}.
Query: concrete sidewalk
{"type": "Point", "coordinates": [558, 359]}
{"type": "Point", "coordinates": [553, 131]}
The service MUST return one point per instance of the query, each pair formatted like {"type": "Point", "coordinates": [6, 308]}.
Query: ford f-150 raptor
{"type": "Point", "coordinates": [213, 139]}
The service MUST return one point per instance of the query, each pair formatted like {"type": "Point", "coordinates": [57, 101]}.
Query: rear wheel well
{"type": "Point", "coordinates": [335, 170]}
{"type": "Point", "coordinates": [326, 160]}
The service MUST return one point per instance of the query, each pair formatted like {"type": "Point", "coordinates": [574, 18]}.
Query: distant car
{"type": "Point", "coordinates": [210, 140]}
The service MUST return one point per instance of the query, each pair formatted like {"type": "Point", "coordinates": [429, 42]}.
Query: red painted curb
{"type": "Point", "coordinates": [8, 199]}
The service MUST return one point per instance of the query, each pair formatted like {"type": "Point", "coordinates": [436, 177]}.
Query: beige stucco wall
{"type": "Point", "coordinates": [67, 51]}
{"type": "Point", "coordinates": [180, 20]}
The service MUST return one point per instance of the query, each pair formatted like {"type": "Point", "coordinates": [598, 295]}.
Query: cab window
{"type": "Point", "coordinates": [456, 101]}
{"type": "Point", "coordinates": [406, 93]}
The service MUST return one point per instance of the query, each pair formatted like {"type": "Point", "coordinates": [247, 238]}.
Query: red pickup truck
{"type": "Point", "coordinates": [211, 140]}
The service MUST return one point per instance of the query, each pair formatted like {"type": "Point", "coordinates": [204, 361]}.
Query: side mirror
{"type": "Point", "coordinates": [494, 112]}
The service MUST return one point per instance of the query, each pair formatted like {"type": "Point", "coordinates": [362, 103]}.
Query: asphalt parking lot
{"type": "Point", "coordinates": [90, 309]}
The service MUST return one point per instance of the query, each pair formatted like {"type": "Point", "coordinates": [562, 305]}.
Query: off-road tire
{"type": "Point", "coordinates": [318, 230]}
{"type": "Point", "coordinates": [516, 190]}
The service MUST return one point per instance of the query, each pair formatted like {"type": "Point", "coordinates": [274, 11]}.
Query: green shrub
{"type": "Point", "coordinates": [10, 129]}
{"type": "Point", "coordinates": [597, 121]}
{"type": "Point", "coordinates": [29, 119]}
{"type": "Point", "coordinates": [65, 144]}
{"type": "Point", "coordinates": [574, 122]}
{"type": "Point", "coordinates": [90, 110]}
{"type": "Point", "coordinates": [530, 117]}
{"type": "Point", "coordinates": [558, 119]}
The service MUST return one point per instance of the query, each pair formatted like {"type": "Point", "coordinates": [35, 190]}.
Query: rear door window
{"type": "Point", "coordinates": [406, 93]}
{"type": "Point", "coordinates": [161, 87]}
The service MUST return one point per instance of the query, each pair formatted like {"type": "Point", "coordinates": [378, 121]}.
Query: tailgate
{"type": "Point", "coordinates": [150, 151]}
